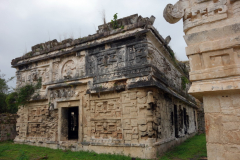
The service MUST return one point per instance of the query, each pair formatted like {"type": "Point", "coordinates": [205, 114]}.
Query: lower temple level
{"type": "Point", "coordinates": [140, 122]}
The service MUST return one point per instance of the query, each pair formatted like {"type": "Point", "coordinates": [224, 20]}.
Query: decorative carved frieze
{"type": "Point", "coordinates": [63, 93]}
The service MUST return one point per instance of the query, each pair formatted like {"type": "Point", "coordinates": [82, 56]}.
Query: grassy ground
{"type": "Point", "coordinates": [192, 148]}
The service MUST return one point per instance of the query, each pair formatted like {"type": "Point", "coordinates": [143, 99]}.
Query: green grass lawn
{"type": "Point", "coordinates": [192, 148]}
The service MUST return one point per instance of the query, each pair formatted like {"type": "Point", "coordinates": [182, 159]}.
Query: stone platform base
{"type": "Point", "coordinates": [145, 151]}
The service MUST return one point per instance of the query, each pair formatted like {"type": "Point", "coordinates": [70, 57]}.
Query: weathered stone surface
{"type": "Point", "coordinates": [212, 29]}
{"type": "Point", "coordinates": [118, 91]}
{"type": "Point", "coordinates": [7, 126]}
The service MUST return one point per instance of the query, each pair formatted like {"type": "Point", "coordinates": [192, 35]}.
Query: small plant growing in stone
{"type": "Point", "coordinates": [114, 21]}
{"type": "Point", "coordinates": [185, 81]}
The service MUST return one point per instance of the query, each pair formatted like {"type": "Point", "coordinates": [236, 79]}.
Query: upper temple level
{"type": "Point", "coordinates": [129, 55]}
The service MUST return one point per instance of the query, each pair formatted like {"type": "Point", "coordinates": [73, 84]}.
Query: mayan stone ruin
{"type": "Point", "coordinates": [212, 33]}
{"type": "Point", "coordinates": [118, 91]}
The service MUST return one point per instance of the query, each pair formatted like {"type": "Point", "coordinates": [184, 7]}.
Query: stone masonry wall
{"type": "Point", "coordinates": [212, 33]}
{"type": "Point", "coordinates": [7, 126]}
{"type": "Point", "coordinates": [222, 125]}
{"type": "Point", "coordinates": [119, 91]}
{"type": "Point", "coordinates": [139, 118]}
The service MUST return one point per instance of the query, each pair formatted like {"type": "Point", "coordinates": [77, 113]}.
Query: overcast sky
{"type": "Point", "coordinates": [25, 23]}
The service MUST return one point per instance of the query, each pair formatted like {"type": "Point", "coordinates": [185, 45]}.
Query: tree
{"type": "Point", "coordinates": [3, 84]}
{"type": "Point", "coordinates": [4, 91]}
{"type": "Point", "coordinates": [11, 100]}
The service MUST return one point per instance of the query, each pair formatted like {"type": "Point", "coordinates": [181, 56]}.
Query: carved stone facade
{"type": "Point", "coordinates": [118, 91]}
{"type": "Point", "coordinates": [212, 29]}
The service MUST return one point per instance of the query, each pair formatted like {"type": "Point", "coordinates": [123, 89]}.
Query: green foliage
{"type": "Point", "coordinates": [193, 148]}
{"type": "Point", "coordinates": [3, 105]}
{"type": "Point", "coordinates": [114, 22]}
{"type": "Point", "coordinates": [172, 54]}
{"type": "Point", "coordinates": [185, 81]}
{"type": "Point", "coordinates": [11, 104]}
{"type": "Point", "coordinates": [3, 85]}
{"type": "Point", "coordinates": [22, 95]}
{"type": "Point", "coordinates": [4, 91]}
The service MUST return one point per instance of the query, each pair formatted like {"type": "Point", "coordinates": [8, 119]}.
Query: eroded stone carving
{"type": "Point", "coordinates": [117, 88]}
{"type": "Point", "coordinates": [63, 93]}
{"type": "Point", "coordinates": [205, 12]}
{"type": "Point", "coordinates": [68, 69]}
{"type": "Point", "coordinates": [173, 13]}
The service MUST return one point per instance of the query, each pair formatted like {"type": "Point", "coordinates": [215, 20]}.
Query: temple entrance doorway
{"type": "Point", "coordinates": [73, 123]}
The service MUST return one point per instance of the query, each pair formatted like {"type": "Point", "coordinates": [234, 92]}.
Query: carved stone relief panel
{"type": "Point", "coordinates": [121, 56]}
{"type": "Point", "coordinates": [34, 75]}
{"type": "Point", "coordinates": [137, 54]}
{"type": "Point", "coordinates": [63, 93]}
{"type": "Point", "coordinates": [106, 129]}
{"type": "Point", "coordinates": [44, 73]}
{"type": "Point", "coordinates": [109, 108]}
{"type": "Point", "coordinates": [207, 12]}
{"type": "Point", "coordinates": [218, 58]}
{"type": "Point", "coordinates": [80, 66]}
{"type": "Point", "coordinates": [112, 64]}
{"type": "Point", "coordinates": [55, 69]}
{"type": "Point", "coordinates": [163, 65]}
{"type": "Point", "coordinates": [135, 104]}
{"type": "Point", "coordinates": [42, 123]}
{"type": "Point", "coordinates": [37, 123]}
{"type": "Point", "coordinates": [30, 76]}
{"type": "Point", "coordinates": [68, 69]}
{"type": "Point", "coordinates": [131, 115]}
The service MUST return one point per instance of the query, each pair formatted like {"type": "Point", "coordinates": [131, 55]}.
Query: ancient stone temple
{"type": "Point", "coordinates": [212, 29]}
{"type": "Point", "coordinates": [118, 91]}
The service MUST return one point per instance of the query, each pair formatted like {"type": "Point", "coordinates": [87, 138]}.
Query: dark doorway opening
{"type": "Point", "coordinates": [185, 120]}
{"type": "Point", "coordinates": [176, 121]}
{"type": "Point", "coordinates": [195, 123]}
{"type": "Point", "coordinates": [73, 123]}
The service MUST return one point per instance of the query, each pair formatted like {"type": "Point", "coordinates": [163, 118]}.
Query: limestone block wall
{"type": "Point", "coordinates": [222, 125]}
{"type": "Point", "coordinates": [118, 91]}
{"type": "Point", "coordinates": [7, 126]}
{"type": "Point", "coordinates": [143, 119]}
{"type": "Point", "coordinates": [212, 29]}
{"type": "Point", "coordinates": [36, 123]}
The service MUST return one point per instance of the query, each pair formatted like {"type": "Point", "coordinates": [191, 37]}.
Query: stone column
{"type": "Point", "coordinates": [212, 33]}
